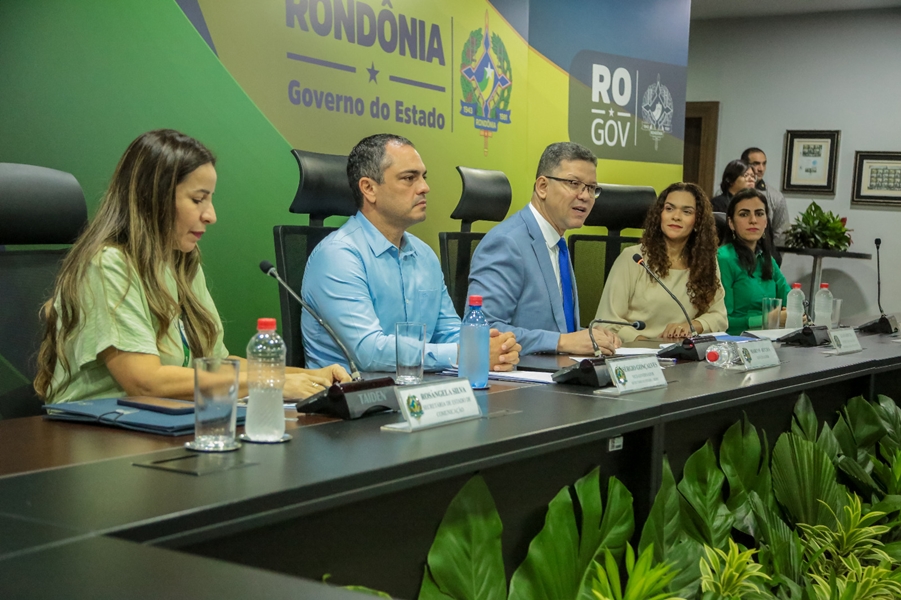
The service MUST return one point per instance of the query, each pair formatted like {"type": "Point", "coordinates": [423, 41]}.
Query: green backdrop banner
{"type": "Point", "coordinates": [470, 82]}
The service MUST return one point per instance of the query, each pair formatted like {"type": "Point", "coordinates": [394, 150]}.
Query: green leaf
{"type": "Point", "coordinates": [782, 546]}
{"type": "Point", "coordinates": [845, 438]}
{"type": "Point", "coordinates": [744, 463]}
{"type": "Point", "coordinates": [802, 476]}
{"type": "Point", "coordinates": [866, 426]}
{"type": "Point", "coordinates": [705, 516]}
{"type": "Point", "coordinates": [861, 480]}
{"type": "Point", "coordinates": [685, 557]}
{"type": "Point", "coordinates": [465, 560]}
{"type": "Point", "coordinates": [618, 522]}
{"type": "Point", "coordinates": [827, 442]}
{"type": "Point", "coordinates": [893, 549]}
{"type": "Point", "coordinates": [429, 589]}
{"type": "Point", "coordinates": [366, 590]}
{"type": "Point", "coordinates": [804, 421]}
{"type": "Point", "coordinates": [559, 564]}
{"type": "Point", "coordinates": [663, 527]}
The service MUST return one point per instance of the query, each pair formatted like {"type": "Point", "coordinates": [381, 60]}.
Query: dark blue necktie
{"type": "Point", "coordinates": [566, 285]}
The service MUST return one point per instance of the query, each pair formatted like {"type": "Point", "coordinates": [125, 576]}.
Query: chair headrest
{"type": "Point", "coordinates": [39, 205]}
{"type": "Point", "coordinates": [486, 196]}
{"type": "Point", "coordinates": [323, 190]}
{"type": "Point", "coordinates": [621, 206]}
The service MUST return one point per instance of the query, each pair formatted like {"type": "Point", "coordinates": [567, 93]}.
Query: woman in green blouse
{"type": "Point", "coordinates": [130, 308]}
{"type": "Point", "coordinates": [747, 269]}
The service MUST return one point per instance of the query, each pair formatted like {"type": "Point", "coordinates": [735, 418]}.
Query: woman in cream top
{"type": "Point", "coordinates": [679, 246]}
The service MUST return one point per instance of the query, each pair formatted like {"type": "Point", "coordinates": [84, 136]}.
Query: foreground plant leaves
{"type": "Point", "coordinates": [465, 561]}
{"type": "Point", "coordinates": [705, 516]}
{"type": "Point", "coordinates": [802, 476]}
{"type": "Point", "coordinates": [664, 534]}
{"type": "Point", "coordinates": [559, 564]}
{"type": "Point", "coordinates": [781, 550]}
{"type": "Point", "coordinates": [646, 580]}
{"type": "Point", "coordinates": [745, 463]}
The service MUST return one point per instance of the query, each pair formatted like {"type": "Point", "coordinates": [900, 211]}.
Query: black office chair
{"type": "Point", "coordinates": [486, 197]}
{"type": "Point", "coordinates": [322, 192]}
{"type": "Point", "coordinates": [38, 206]}
{"type": "Point", "coordinates": [618, 207]}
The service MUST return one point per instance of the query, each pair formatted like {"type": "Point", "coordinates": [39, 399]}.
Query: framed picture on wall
{"type": "Point", "coordinates": [809, 160]}
{"type": "Point", "coordinates": [877, 178]}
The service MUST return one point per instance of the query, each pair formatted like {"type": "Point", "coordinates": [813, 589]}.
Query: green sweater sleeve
{"type": "Point", "coordinates": [782, 287]}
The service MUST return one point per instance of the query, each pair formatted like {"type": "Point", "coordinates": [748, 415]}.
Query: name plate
{"type": "Point", "coordinates": [759, 354]}
{"type": "Point", "coordinates": [633, 374]}
{"type": "Point", "coordinates": [845, 341]}
{"type": "Point", "coordinates": [434, 404]}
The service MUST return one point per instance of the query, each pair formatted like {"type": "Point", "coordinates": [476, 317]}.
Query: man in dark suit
{"type": "Point", "coordinates": [522, 269]}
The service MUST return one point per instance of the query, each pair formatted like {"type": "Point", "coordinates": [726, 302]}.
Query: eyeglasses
{"type": "Point", "coordinates": [577, 186]}
{"type": "Point", "coordinates": [750, 175]}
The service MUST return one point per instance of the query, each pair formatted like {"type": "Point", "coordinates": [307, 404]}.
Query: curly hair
{"type": "Point", "coordinates": [700, 249]}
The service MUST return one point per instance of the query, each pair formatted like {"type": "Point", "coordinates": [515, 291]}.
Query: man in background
{"type": "Point", "coordinates": [775, 200]}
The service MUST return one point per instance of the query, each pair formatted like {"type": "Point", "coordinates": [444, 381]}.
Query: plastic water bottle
{"type": "Point", "coordinates": [795, 316]}
{"type": "Point", "coordinates": [474, 345]}
{"type": "Point", "coordinates": [722, 354]}
{"type": "Point", "coordinates": [822, 306]}
{"type": "Point", "coordinates": [266, 380]}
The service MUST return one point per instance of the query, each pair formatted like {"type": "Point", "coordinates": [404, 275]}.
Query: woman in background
{"type": "Point", "coordinates": [130, 308]}
{"type": "Point", "coordinates": [679, 246]}
{"type": "Point", "coordinates": [738, 175]}
{"type": "Point", "coordinates": [747, 268]}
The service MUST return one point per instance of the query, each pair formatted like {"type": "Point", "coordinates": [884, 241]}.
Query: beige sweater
{"type": "Point", "coordinates": [631, 295]}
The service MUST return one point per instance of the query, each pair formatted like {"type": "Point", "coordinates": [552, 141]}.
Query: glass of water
{"type": "Point", "coordinates": [215, 404]}
{"type": "Point", "coordinates": [410, 342]}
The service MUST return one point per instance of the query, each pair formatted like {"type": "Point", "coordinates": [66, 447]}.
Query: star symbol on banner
{"type": "Point", "coordinates": [372, 73]}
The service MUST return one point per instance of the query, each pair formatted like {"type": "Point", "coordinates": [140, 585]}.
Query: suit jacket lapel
{"type": "Point", "coordinates": [539, 246]}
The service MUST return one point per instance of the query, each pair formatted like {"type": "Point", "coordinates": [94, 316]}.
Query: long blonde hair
{"type": "Point", "coordinates": [137, 215]}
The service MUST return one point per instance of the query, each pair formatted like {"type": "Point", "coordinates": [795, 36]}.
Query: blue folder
{"type": "Point", "coordinates": [106, 411]}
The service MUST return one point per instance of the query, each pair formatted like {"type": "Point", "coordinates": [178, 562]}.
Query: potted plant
{"type": "Point", "coordinates": [816, 228]}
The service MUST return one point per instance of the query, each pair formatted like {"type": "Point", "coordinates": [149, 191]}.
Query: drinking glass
{"type": "Point", "coordinates": [215, 404]}
{"type": "Point", "coordinates": [772, 312]}
{"type": "Point", "coordinates": [410, 341]}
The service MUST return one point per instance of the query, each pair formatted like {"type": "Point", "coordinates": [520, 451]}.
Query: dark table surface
{"type": "Point", "coordinates": [66, 484]}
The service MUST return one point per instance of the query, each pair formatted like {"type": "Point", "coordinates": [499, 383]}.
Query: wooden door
{"type": "Point", "coordinates": [699, 157]}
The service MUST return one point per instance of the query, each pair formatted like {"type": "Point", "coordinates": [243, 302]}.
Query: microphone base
{"type": "Point", "coordinates": [691, 349]}
{"type": "Point", "coordinates": [807, 337]}
{"type": "Point", "coordinates": [884, 324]}
{"type": "Point", "coordinates": [591, 372]}
{"type": "Point", "coordinates": [352, 400]}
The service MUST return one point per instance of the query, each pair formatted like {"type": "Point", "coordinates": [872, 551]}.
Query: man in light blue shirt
{"type": "Point", "coordinates": [371, 274]}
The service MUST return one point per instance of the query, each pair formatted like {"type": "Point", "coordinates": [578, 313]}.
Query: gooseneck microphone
{"type": "Point", "coordinates": [879, 278]}
{"type": "Point", "coordinates": [268, 268]}
{"type": "Point", "coordinates": [638, 259]}
{"type": "Point", "coordinates": [639, 325]}
{"type": "Point", "coordinates": [884, 324]}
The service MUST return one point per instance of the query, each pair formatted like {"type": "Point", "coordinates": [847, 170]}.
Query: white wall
{"type": "Point", "coordinates": [829, 71]}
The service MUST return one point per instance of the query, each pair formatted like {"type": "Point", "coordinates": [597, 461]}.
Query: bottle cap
{"type": "Point", "coordinates": [475, 300]}
{"type": "Point", "coordinates": [824, 286]}
{"type": "Point", "coordinates": [265, 324]}
{"type": "Point", "coordinates": [713, 355]}
{"type": "Point", "coordinates": [796, 286]}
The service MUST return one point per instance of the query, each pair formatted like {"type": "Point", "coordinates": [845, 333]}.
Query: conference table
{"type": "Point", "coordinates": [79, 518]}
